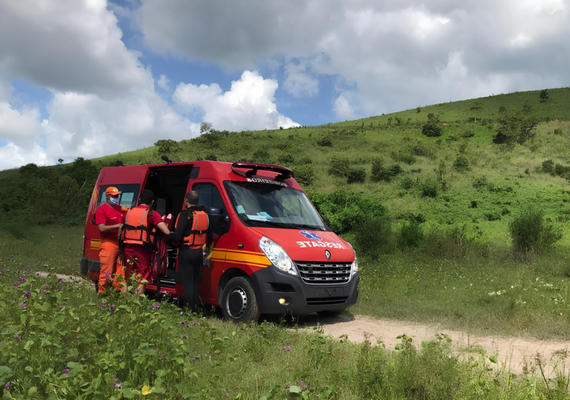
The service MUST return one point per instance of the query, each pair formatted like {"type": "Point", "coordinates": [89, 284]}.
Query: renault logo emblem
{"type": "Point", "coordinates": [328, 254]}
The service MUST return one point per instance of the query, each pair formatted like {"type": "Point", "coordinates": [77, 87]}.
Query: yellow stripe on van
{"type": "Point", "coordinates": [95, 244]}
{"type": "Point", "coordinates": [255, 259]}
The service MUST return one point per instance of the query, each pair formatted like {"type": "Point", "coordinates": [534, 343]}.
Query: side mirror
{"type": "Point", "coordinates": [219, 223]}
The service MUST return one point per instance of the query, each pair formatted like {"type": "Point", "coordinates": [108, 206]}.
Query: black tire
{"type": "Point", "coordinates": [239, 302]}
{"type": "Point", "coordinates": [330, 314]}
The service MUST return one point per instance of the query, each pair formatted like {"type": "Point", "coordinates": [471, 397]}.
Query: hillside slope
{"type": "Point", "coordinates": [461, 177]}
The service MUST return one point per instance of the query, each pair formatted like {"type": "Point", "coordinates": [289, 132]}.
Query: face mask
{"type": "Point", "coordinates": [114, 200]}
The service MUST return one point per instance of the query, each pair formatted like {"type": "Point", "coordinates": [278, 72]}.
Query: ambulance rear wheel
{"type": "Point", "coordinates": [239, 303]}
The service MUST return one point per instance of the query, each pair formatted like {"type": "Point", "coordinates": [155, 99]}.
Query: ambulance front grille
{"type": "Point", "coordinates": [323, 273]}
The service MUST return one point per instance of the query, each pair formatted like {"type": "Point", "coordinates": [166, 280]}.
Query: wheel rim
{"type": "Point", "coordinates": [237, 303]}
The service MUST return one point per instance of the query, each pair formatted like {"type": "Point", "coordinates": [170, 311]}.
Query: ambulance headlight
{"type": "Point", "coordinates": [354, 265]}
{"type": "Point", "coordinates": [277, 255]}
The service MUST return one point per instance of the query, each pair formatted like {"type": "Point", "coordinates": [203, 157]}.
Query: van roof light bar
{"type": "Point", "coordinates": [248, 170]}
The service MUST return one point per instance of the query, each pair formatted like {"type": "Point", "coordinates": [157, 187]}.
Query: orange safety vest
{"type": "Point", "coordinates": [136, 229]}
{"type": "Point", "coordinates": [198, 234]}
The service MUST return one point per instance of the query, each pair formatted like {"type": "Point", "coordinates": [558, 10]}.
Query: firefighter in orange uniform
{"type": "Point", "coordinates": [138, 239]}
{"type": "Point", "coordinates": [109, 217]}
{"type": "Point", "coordinates": [191, 233]}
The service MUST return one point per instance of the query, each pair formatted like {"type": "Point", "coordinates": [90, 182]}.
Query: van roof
{"type": "Point", "coordinates": [218, 170]}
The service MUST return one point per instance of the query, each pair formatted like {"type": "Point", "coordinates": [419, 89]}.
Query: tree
{"type": "Point", "coordinates": [60, 160]}
{"type": "Point", "coordinates": [543, 95]}
{"type": "Point", "coordinates": [205, 127]}
{"type": "Point", "coordinates": [432, 127]}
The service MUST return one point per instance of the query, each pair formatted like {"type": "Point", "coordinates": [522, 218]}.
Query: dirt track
{"type": "Point", "coordinates": [513, 354]}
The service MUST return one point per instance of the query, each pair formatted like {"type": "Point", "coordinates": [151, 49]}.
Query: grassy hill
{"type": "Point", "coordinates": [459, 178]}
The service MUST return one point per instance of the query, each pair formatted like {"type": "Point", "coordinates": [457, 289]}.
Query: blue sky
{"type": "Point", "coordinates": [94, 77]}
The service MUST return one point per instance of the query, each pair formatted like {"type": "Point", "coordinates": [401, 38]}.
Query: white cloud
{"type": "Point", "coordinates": [248, 105]}
{"type": "Point", "coordinates": [342, 107]}
{"type": "Point", "coordinates": [22, 128]}
{"type": "Point", "coordinates": [163, 82]}
{"type": "Point", "coordinates": [299, 82]}
{"type": "Point", "coordinates": [395, 52]}
{"type": "Point", "coordinates": [88, 126]}
{"type": "Point", "coordinates": [12, 156]}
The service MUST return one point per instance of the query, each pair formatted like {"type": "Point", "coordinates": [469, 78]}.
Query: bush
{"type": "Point", "coordinates": [346, 210]}
{"type": "Point", "coordinates": [286, 159]}
{"type": "Point", "coordinates": [261, 156]}
{"type": "Point", "coordinates": [339, 166]}
{"type": "Point", "coordinates": [432, 127]}
{"type": "Point", "coordinates": [325, 142]}
{"type": "Point", "coordinates": [429, 188]}
{"type": "Point", "coordinates": [356, 175]}
{"type": "Point", "coordinates": [374, 237]}
{"type": "Point", "coordinates": [548, 167]}
{"type": "Point", "coordinates": [461, 163]}
{"type": "Point", "coordinates": [411, 235]}
{"type": "Point", "coordinates": [166, 146]}
{"type": "Point", "coordinates": [305, 174]}
{"type": "Point", "coordinates": [532, 234]}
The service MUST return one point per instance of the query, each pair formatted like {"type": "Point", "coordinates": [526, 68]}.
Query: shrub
{"type": "Point", "coordinates": [532, 234]}
{"type": "Point", "coordinates": [286, 159]}
{"type": "Point", "coordinates": [261, 156]}
{"type": "Point", "coordinates": [377, 168]}
{"type": "Point", "coordinates": [558, 131]}
{"type": "Point", "coordinates": [548, 167]}
{"type": "Point", "coordinates": [325, 142]}
{"type": "Point", "coordinates": [411, 235]}
{"type": "Point", "coordinates": [374, 237]}
{"type": "Point", "coordinates": [166, 146]}
{"type": "Point", "coordinates": [356, 175]}
{"type": "Point", "coordinates": [432, 127]}
{"type": "Point", "coordinates": [461, 163]}
{"type": "Point", "coordinates": [339, 166]}
{"type": "Point", "coordinates": [305, 174]}
{"type": "Point", "coordinates": [346, 210]}
{"type": "Point", "coordinates": [429, 188]}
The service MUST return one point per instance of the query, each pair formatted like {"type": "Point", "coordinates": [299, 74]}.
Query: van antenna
{"type": "Point", "coordinates": [165, 158]}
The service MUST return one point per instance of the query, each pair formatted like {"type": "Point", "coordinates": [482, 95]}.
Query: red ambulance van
{"type": "Point", "coordinates": [273, 253]}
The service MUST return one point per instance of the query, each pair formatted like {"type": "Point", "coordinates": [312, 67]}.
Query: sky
{"type": "Point", "coordinates": [88, 78]}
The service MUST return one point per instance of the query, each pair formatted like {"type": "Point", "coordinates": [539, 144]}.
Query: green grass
{"type": "Point", "coordinates": [63, 341]}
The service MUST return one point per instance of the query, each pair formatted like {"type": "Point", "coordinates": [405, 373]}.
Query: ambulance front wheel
{"type": "Point", "coordinates": [239, 303]}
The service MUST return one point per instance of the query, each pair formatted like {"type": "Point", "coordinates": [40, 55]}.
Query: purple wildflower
{"type": "Point", "coordinates": [47, 287]}
{"type": "Point", "coordinates": [42, 290]}
{"type": "Point", "coordinates": [194, 323]}
{"type": "Point", "coordinates": [156, 306]}
{"type": "Point", "coordinates": [66, 371]}
{"type": "Point", "coordinates": [287, 348]}
{"type": "Point", "coordinates": [21, 279]}
{"type": "Point", "coordinates": [15, 284]}
{"type": "Point", "coordinates": [195, 358]}
{"type": "Point", "coordinates": [60, 288]}
{"type": "Point", "coordinates": [24, 304]}
{"type": "Point", "coordinates": [17, 337]}
{"type": "Point", "coordinates": [27, 294]}
{"type": "Point", "coordinates": [59, 280]}
{"type": "Point", "coordinates": [38, 274]}
{"type": "Point", "coordinates": [183, 323]}
{"type": "Point", "coordinates": [112, 308]}
{"type": "Point", "coordinates": [7, 385]}
{"type": "Point", "coordinates": [117, 385]}
{"type": "Point", "coordinates": [175, 299]}
{"type": "Point", "coordinates": [107, 276]}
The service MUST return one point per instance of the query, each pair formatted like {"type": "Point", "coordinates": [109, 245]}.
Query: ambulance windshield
{"type": "Point", "coordinates": [273, 205]}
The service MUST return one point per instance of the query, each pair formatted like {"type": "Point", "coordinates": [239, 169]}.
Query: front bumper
{"type": "Point", "coordinates": [271, 285]}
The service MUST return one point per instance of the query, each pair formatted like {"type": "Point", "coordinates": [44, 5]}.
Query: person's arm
{"type": "Point", "coordinates": [161, 226]}
{"type": "Point", "coordinates": [178, 234]}
{"type": "Point", "coordinates": [105, 228]}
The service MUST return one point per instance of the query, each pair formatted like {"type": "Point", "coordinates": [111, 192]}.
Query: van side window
{"type": "Point", "coordinates": [209, 196]}
{"type": "Point", "coordinates": [128, 198]}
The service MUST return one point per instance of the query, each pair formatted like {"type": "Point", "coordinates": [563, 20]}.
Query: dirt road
{"type": "Point", "coordinates": [513, 354]}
